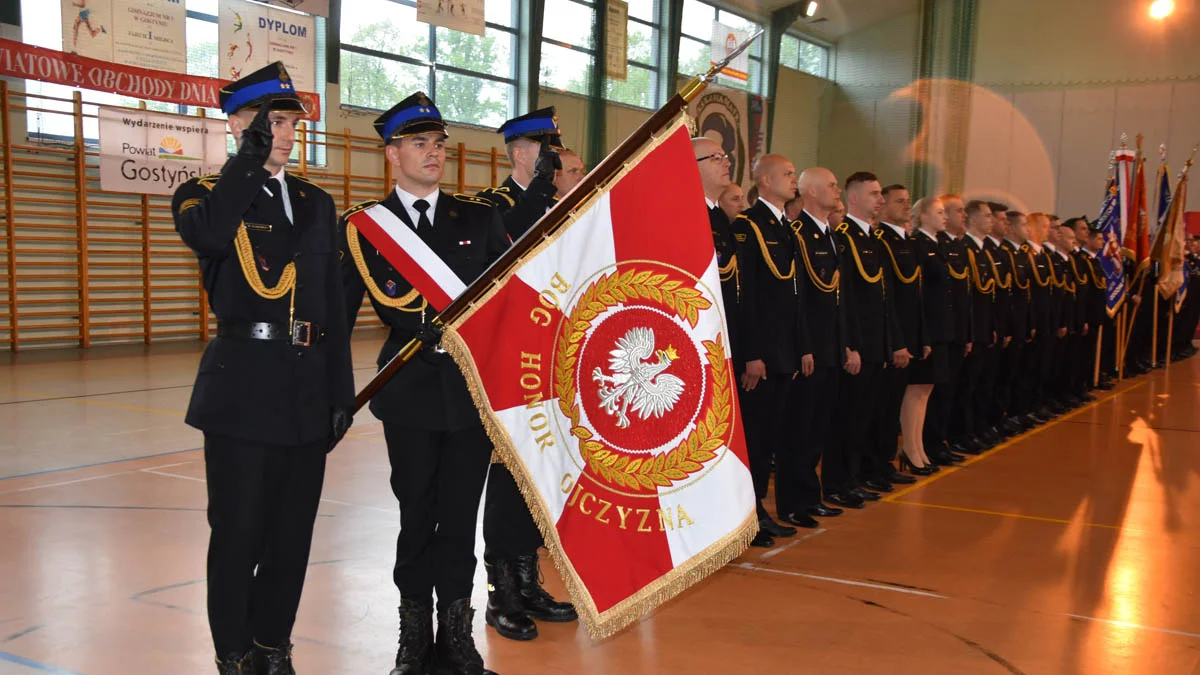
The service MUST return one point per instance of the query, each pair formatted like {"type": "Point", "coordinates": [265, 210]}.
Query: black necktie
{"type": "Point", "coordinates": [423, 220]}
{"type": "Point", "coordinates": [275, 188]}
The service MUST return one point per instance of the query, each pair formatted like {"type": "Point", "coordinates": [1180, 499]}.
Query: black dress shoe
{"type": "Point", "coordinates": [1088, 398]}
{"type": "Point", "coordinates": [1105, 385]}
{"type": "Point", "coordinates": [775, 529]}
{"type": "Point", "coordinates": [866, 495]}
{"type": "Point", "coordinates": [968, 448]}
{"type": "Point", "coordinates": [906, 463]}
{"type": "Point", "coordinates": [1045, 413]}
{"type": "Point", "coordinates": [897, 478]}
{"type": "Point", "coordinates": [847, 500]}
{"type": "Point", "coordinates": [801, 519]}
{"type": "Point", "coordinates": [990, 438]}
{"type": "Point", "coordinates": [822, 511]}
{"type": "Point", "coordinates": [942, 458]}
{"type": "Point", "coordinates": [762, 540]}
{"type": "Point", "coordinates": [877, 485]}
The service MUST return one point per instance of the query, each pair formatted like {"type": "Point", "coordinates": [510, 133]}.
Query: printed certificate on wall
{"type": "Point", "coordinates": [87, 28]}
{"type": "Point", "coordinates": [149, 34]}
{"type": "Point", "coordinates": [251, 35]}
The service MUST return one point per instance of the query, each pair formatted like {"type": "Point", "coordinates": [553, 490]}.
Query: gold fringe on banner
{"type": "Point", "coordinates": [599, 625]}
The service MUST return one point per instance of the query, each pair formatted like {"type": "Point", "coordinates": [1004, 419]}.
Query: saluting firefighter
{"type": "Point", "coordinates": [511, 538]}
{"type": "Point", "coordinates": [275, 388]}
{"type": "Point", "coordinates": [437, 446]}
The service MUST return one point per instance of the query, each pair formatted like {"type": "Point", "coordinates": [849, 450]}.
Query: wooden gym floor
{"type": "Point", "coordinates": [1073, 549]}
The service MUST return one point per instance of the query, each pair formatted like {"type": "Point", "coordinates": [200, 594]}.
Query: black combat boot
{"type": "Point", "coordinates": [456, 652]}
{"type": "Point", "coordinates": [506, 608]}
{"type": "Point", "coordinates": [237, 664]}
{"type": "Point", "coordinates": [274, 660]}
{"type": "Point", "coordinates": [416, 638]}
{"type": "Point", "coordinates": [539, 604]}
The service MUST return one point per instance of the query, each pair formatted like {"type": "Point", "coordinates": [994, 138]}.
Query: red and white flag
{"type": "Point", "coordinates": [409, 254]}
{"type": "Point", "coordinates": [600, 363]}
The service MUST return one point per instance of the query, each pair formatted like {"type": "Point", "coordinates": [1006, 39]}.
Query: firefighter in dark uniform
{"type": "Point", "coordinates": [813, 396]}
{"type": "Point", "coordinates": [511, 538]}
{"type": "Point", "coordinates": [1014, 397]}
{"type": "Point", "coordinates": [1085, 293]}
{"type": "Point", "coordinates": [902, 270]}
{"type": "Point", "coordinates": [770, 333]}
{"type": "Point", "coordinates": [871, 317]}
{"type": "Point", "coordinates": [531, 142]}
{"type": "Point", "coordinates": [974, 402]}
{"type": "Point", "coordinates": [1043, 318]}
{"type": "Point", "coordinates": [714, 178]}
{"type": "Point", "coordinates": [1091, 243]}
{"type": "Point", "coordinates": [1063, 297]}
{"type": "Point", "coordinates": [938, 442]}
{"type": "Point", "coordinates": [995, 412]}
{"type": "Point", "coordinates": [437, 446]}
{"type": "Point", "coordinates": [275, 389]}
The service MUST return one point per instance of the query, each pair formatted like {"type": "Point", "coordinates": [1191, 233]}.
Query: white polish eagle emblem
{"type": "Point", "coordinates": [638, 385]}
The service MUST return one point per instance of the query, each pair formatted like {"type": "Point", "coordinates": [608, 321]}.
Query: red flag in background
{"type": "Point", "coordinates": [1137, 237]}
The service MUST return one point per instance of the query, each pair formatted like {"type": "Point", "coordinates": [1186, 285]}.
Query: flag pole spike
{"type": "Point", "coordinates": [1124, 140]}
{"type": "Point", "coordinates": [1139, 138]}
{"type": "Point", "coordinates": [1162, 152]}
{"type": "Point", "coordinates": [699, 82]}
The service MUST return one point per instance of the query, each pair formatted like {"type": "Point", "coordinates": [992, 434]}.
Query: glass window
{"type": "Point", "coordinates": [387, 55]}
{"type": "Point", "coordinates": [694, 50]}
{"type": "Point", "coordinates": [800, 54]}
{"type": "Point", "coordinates": [566, 69]}
{"type": "Point", "coordinates": [568, 22]}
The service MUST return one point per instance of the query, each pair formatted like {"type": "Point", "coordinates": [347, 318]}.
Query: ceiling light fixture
{"type": "Point", "coordinates": [1159, 9]}
{"type": "Point", "coordinates": [811, 8]}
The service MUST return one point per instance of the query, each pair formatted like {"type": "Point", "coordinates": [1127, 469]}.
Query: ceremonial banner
{"type": "Point", "coordinates": [47, 65]}
{"type": "Point", "coordinates": [152, 153]}
{"type": "Point", "coordinates": [461, 15]}
{"type": "Point", "coordinates": [616, 41]}
{"type": "Point", "coordinates": [1169, 244]}
{"type": "Point", "coordinates": [1113, 215]}
{"type": "Point", "coordinates": [600, 364]}
{"type": "Point", "coordinates": [722, 115]}
{"type": "Point", "coordinates": [251, 35]}
{"type": "Point", "coordinates": [724, 41]}
{"type": "Point", "coordinates": [1137, 237]}
{"type": "Point", "coordinates": [87, 28]}
{"type": "Point", "coordinates": [315, 7]}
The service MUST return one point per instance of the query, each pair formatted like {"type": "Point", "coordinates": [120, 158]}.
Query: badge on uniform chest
{"type": "Point", "coordinates": [262, 262]}
{"type": "Point", "coordinates": [390, 288]}
{"type": "Point", "coordinates": [464, 242]}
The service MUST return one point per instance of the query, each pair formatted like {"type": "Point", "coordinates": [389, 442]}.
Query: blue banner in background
{"type": "Point", "coordinates": [1110, 258]}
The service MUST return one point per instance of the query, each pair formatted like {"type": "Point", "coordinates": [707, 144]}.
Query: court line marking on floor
{"type": "Point", "coordinates": [1127, 624]}
{"type": "Point", "coordinates": [776, 551]}
{"type": "Point", "coordinates": [35, 665]}
{"type": "Point", "coordinates": [949, 471]}
{"type": "Point", "coordinates": [31, 488]}
{"type": "Point", "coordinates": [171, 474]}
{"type": "Point", "coordinates": [48, 397]}
{"type": "Point", "coordinates": [1021, 516]}
{"type": "Point", "coordinates": [95, 464]}
{"type": "Point", "coordinates": [848, 582]}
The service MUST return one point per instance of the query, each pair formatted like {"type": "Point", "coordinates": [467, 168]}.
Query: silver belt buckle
{"type": "Point", "coordinates": [302, 333]}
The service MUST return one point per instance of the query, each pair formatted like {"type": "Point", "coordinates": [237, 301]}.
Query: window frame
{"type": "Point", "coordinates": [761, 80]}
{"type": "Point", "coordinates": [432, 66]}
{"type": "Point", "coordinates": [804, 39]}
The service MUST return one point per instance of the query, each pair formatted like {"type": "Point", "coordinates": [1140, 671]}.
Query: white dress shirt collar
{"type": "Point", "coordinates": [897, 229]}
{"type": "Point", "coordinates": [407, 199]}
{"type": "Point", "coordinates": [866, 227]}
{"type": "Point", "coordinates": [287, 201]}
{"type": "Point", "coordinates": [932, 237]}
{"type": "Point", "coordinates": [977, 240]}
{"type": "Point", "coordinates": [778, 214]}
{"type": "Point", "coordinates": [822, 225]}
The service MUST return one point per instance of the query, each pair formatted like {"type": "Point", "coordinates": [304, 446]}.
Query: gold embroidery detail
{"type": "Point", "coordinates": [990, 286]}
{"type": "Point", "coordinates": [377, 293]}
{"type": "Point", "coordinates": [858, 261]}
{"type": "Point", "coordinates": [822, 286]}
{"type": "Point", "coordinates": [906, 280]}
{"type": "Point", "coordinates": [190, 203]}
{"type": "Point", "coordinates": [762, 244]}
{"type": "Point", "coordinates": [245, 254]}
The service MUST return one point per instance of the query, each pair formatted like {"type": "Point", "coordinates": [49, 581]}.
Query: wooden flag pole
{"type": "Point", "coordinates": [1099, 350]}
{"type": "Point", "coordinates": [547, 224]}
{"type": "Point", "coordinates": [1170, 337]}
{"type": "Point", "coordinates": [1120, 347]}
{"type": "Point", "coordinates": [1154, 330]}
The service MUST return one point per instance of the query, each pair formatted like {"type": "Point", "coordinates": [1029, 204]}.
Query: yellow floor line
{"type": "Point", "coordinates": [947, 471]}
{"type": "Point", "coordinates": [1004, 514]}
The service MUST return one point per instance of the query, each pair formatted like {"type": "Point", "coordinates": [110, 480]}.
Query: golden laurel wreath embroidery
{"type": "Point", "coordinates": [701, 444]}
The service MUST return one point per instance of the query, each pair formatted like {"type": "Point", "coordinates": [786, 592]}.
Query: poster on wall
{"type": "Point", "coordinates": [726, 116]}
{"type": "Point", "coordinates": [149, 34]}
{"type": "Point", "coordinates": [461, 15]}
{"type": "Point", "coordinates": [251, 35]}
{"type": "Point", "coordinates": [87, 28]}
{"type": "Point", "coordinates": [616, 40]}
{"type": "Point", "coordinates": [725, 41]}
{"type": "Point", "coordinates": [152, 153]}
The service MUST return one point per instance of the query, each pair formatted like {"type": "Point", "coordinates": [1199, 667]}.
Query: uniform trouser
{"type": "Point", "coordinates": [1051, 350]}
{"type": "Point", "coordinates": [509, 531]}
{"type": "Point", "coordinates": [764, 413]}
{"type": "Point", "coordinates": [963, 416]}
{"type": "Point", "coordinates": [262, 502]}
{"type": "Point", "coordinates": [1108, 345]}
{"type": "Point", "coordinates": [858, 406]}
{"type": "Point", "coordinates": [1008, 384]}
{"type": "Point", "coordinates": [988, 410]}
{"type": "Point", "coordinates": [810, 407]}
{"type": "Point", "coordinates": [941, 402]}
{"type": "Point", "coordinates": [892, 383]}
{"type": "Point", "coordinates": [437, 477]}
{"type": "Point", "coordinates": [1027, 378]}
{"type": "Point", "coordinates": [1083, 355]}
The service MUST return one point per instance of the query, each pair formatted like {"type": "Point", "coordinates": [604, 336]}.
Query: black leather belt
{"type": "Point", "coordinates": [301, 333]}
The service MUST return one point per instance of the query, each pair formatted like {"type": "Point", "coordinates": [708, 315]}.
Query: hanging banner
{"type": "Point", "coordinates": [314, 7]}
{"type": "Point", "coordinates": [461, 15]}
{"type": "Point", "coordinates": [20, 60]}
{"type": "Point", "coordinates": [616, 40]}
{"type": "Point", "coordinates": [252, 35]}
{"type": "Point", "coordinates": [87, 28]}
{"type": "Point", "coordinates": [725, 41]}
{"type": "Point", "coordinates": [152, 153]}
{"type": "Point", "coordinates": [139, 33]}
{"type": "Point", "coordinates": [723, 115]}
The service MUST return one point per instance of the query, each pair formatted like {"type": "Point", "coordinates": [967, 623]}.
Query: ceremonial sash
{"type": "Point", "coordinates": [410, 255]}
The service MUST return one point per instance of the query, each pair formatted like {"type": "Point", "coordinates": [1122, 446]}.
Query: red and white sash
{"type": "Point", "coordinates": [410, 255]}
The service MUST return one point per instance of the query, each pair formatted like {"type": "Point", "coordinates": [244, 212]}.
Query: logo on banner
{"type": "Point", "coordinates": [649, 401]}
{"type": "Point", "coordinates": [719, 118]}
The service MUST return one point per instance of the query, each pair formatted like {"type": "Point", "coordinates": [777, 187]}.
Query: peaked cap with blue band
{"type": "Point", "coordinates": [271, 85]}
{"type": "Point", "coordinates": [539, 125]}
{"type": "Point", "coordinates": [414, 115]}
